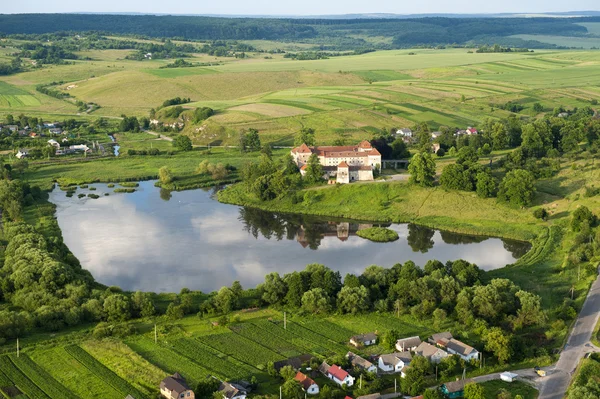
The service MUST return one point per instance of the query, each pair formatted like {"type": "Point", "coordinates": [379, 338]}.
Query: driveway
{"type": "Point", "coordinates": [556, 383]}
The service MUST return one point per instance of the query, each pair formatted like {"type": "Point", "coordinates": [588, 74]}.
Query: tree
{"type": "Point", "coordinates": [474, 391]}
{"type": "Point", "coordinates": [433, 394]}
{"type": "Point", "coordinates": [530, 311]}
{"type": "Point", "coordinates": [353, 300]}
{"type": "Point", "coordinates": [164, 175]}
{"type": "Point", "coordinates": [249, 140]}
{"type": "Point", "coordinates": [486, 185]}
{"type": "Point", "coordinates": [316, 301]}
{"type": "Point", "coordinates": [453, 177]}
{"type": "Point", "coordinates": [413, 382]}
{"type": "Point", "coordinates": [182, 143]}
{"type": "Point", "coordinates": [399, 149]}
{"type": "Point", "coordinates": [305, 136]}
{"type": "Point", "coordinates": [422, 169]}
{"type": "Point", "coordinates": [499, 343]}
{"type": "Point", "coordinates": [117, 308]}
{"type": "Point", "coordinates": [295, 289]}
{"type": "Point", "coordinates": [314, 170]}
{"type": "Point", "coordinates": [142, 304]}
{"type": "Point", "coordinates": [439, 315]}
{"type": "Point", "coordinates": [273, 288]}
{"type": "Point", "coordinates": [581, 215]}
{"type": "Point", "coordinates": [389, 339]}
{"type": "Point", "coordinates": [500, 138]}
{"type": "Point", "coordinates": [517, 187]}
{"type": "Point", "coordinates": [540, 213]}
{"type": "Point", "coordinates": [292, 389]}
{"type": "Point", "coordinates": [226, 300]}
{"type": "Point", "coordinates": [207, 387]}
{"type": "Point", "coordinates": [287, 372]}
{"type": "Point", "coordinates": [537, 107]}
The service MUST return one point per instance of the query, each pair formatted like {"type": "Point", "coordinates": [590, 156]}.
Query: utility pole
{"type": "Point", "coordinates": [395, 386]}
{"type": "Point", "coordinates": [360, 383]}
{"type": "Point", "coordinates": [436, 367]}
{"type": "Point", "coordinates": [155, 334]}
{"type": "Point", "coordinates": [284, 320]}
{"type": "Point", "coordinates": [280, 392]}
{"type": "Point", "coordinates": [17, 347]}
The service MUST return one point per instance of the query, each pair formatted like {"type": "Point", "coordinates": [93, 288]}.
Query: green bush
{"type": "Point", "coordinates": [540, 213]}
{"type": "Point", "coordinates": [378, 234]}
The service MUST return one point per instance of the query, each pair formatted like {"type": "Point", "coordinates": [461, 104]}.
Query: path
{"type": "Point", "coordinates": [555, 385]}
{"type": "Point", "coordinates": [160, 136]}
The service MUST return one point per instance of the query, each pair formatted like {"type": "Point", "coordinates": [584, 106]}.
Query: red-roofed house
{"type": "Point", "coordinates": [339, 376]}
{"type": "Point", "coordinates": [308, 384]}
{"type": "Point", "coordinates": [345, 163]}
{"type": "Point", "coordinates": [470, 130]}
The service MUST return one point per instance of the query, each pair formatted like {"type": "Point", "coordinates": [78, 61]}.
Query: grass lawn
{"type": "Point", "coordinates": [515, 388]}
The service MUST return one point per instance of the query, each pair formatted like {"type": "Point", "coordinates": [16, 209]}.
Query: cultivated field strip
{"type": "Point", "coordinates": [330, 330]}
{"type": "Point", "coordinates": [241, 348]}
{"type": "Point", "coordinates": [266, 339]}
{"type": "Point", "coordinates": [222, 367]}
{"type": "Point", "coordinates": [20, 380]}
{"type": "Point", "coordinates": [317, 338]}
{"type": "Point", "coordinates": [104, 373]}
{"type": "Point", "coordinates": [41, 378]}
{"type": "Point", "coordinates": [276, 328]}
{"type": "Point", "coordinates": [169, 360]}
{"type": "Point", "coordinates": [73, 375]}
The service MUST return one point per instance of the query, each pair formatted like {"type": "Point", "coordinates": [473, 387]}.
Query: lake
{"type": "Point", "coordinates": [153, 240]}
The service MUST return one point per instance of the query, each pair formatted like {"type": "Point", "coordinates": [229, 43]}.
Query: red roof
{"type": "Point", "coordinates": [305, 381]}
{"type": "Point", "coordinates": [303, 167]}
{"type": "Point", "coordinates": [337, 372]}
{"type": "Point", "coordinates": [365, 144]}
{"type": "Point", "coordinates": [303, 149]}
{"type": "Point", "coordinates": [348, 397]}
{"type": "Point", "coordinates": [343, 164]}
{"type": "Point", "coordinates": [472, 130]}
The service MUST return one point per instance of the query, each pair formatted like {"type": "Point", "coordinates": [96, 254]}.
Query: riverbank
{"type": "Point", "coordinates": [399, 202]}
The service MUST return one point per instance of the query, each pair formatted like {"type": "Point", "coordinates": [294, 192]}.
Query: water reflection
{"type": "Point", "coordinates": [155, 240]}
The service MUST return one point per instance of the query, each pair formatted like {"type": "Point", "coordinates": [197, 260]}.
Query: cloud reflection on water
{"type": "Point", "coordinates": [140, 241]}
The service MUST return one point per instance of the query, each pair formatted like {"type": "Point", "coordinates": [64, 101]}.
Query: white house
{"type": "Point", "coordinates": [405, 132]}
{"type": "Point", "coordinates": [361, 363]}
{"type": "Point", "coordinates": [232, 391]}
{"type": "Point", "coordinates": [408, 344]}
{"type": "Point", "coordinates": [22, 153]}
{"type": "Point", "coordinates": [308, 384]}
{"type": "Point", "coordinates": [80, 147]}
{"type": "Point", "coordinates": [364, 339]}
{"type": "Point", "coordinates": [54, 143]}
{"type": "Point", "coordinates": [394, 362]}
{"type": "Point", "coordinates": [456, 347]}
{"type": "Point", "coordinates": [508, 376]}
{"type": "Point", "coordinates": [339, 376]}
{"type": "Point", "coordinates": [430, 352]}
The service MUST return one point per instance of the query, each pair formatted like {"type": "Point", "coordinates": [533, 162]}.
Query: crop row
{"type": "Point", "coordinates": [169, 360]}
{"type": "Point", "coordinates": [330, 330]}
{"type": "Point", "coordinates": [267, 339]}
{"type": "Point", "coordinates": [41, 378]}
{"type": "Point", "coordinates": [222, 368]}
{"type": "Point", "coordinates": [276, 328]}
{"type": "Point", "coordinates": [241, 348]}
{"type": "Point", "coordinates": [102, 372]}
{"type": "Point", "coordinates": [305, 333]}
{"type": "Point", "coordinates": [24, 384]}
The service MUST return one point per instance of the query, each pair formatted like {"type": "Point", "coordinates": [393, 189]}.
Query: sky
{"type": "Point", "coordinates": [303, 7]}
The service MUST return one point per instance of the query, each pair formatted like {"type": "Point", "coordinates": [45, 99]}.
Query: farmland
{"type": "Point", "coordinates": [113, 368]}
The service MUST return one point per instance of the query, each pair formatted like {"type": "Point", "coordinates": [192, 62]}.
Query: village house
{"type": "Point", "coordinates": [232, 391]}
{"type": "Point", "coordinates": [408, 344]}
{"type": "Point", "coordinates": [405, 132]}
{"type": "Point", "coordinates": [364, 339]}
{"type": "Point", "coordinates": [12, 128]}
{"type": "Point", "coordinates": [394, 362]}
{"type": "Point", "coordinates": [435, 135]}
{"type": "Point", "coordinates": [456, 347]}
{"type": "Point", "coordinates": [33, 134]}
{"type": "Point", "coordinates": [471, 131]}
{"type": "Point", "coordinates": [308, 384]}
{"type": "Point", "coordinates": [345, 163]}
{"type": "Point", "coordinates": [454, 389]}
{"type": "Point", "coordinates": [22, 153]}
{"type": "Point", "coordinates": [436, 337]}
{"type": "Point", "coordinates": [54, 143]}
{"type": "Point", "coordinates": [55, 130]}
{"type": "Point", "coordinates": [431, 353]}
{"type": "Point", "coordinates": [361, 363]}
{"type": "Point", "coordinates": [175, 387]}
{"type": "Point", "coordinates": [336, 374]}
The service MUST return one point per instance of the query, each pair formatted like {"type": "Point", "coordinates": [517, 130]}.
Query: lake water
{"type": "Point", "coordinates": [153, 240]}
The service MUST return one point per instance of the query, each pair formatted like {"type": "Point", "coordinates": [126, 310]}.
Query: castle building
{"type": "Point", "coordinates": [345, 163]}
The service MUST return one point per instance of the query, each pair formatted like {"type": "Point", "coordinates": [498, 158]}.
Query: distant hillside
{"type": "Point", "coordinates": [329, 33]}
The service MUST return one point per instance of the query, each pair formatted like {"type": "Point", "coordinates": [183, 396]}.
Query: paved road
{"type": "Point", "coordinates": [555, 384]}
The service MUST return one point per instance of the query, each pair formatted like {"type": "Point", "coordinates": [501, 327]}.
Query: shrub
{"type": "Point", "coordinates": [540, 213]}
{"type": "Point", "coordinates": [378, 234]}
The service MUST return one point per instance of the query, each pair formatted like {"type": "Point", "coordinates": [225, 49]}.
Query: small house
{"type": "Point", "coordinates": [33, 134]}
{"type": "Point", "coordinates": [394, 362]}
{"type": "Point", "coordinates": [308, 384]}
{"type": "Point", "coordinates": [563, 115]}
{"type": "Point", "coordinates": [22, 153]}
{"type": "Point", "coordinates": [508, 376]}
{"type": "Point", "coordinates": [148, 56]}
{"type": "Point", "coordinates": [456, 347]}
{"type": "Point", "coordinates": [408, 344]}
{"type": "Point", "coordinates": [454, 389]}
{"type": "Point", "coordinates": [471, 131]}
{"type": "Point", "coordinates": [339, 376]}
{"type": "Point", "coordinates": [55, 130]}
{"type": "Point", "coordinates": [12, 128]}
{"type": "Point", "coordinates": [175, 387]}
{"type": "Point", "coordinates": [361, 363]}
{"type": "Point", "coordinates": [405, 132]}
{"type": "Point", "coordinates": [54, 143]}
{"type": "Point", "coordinates": [436, 337]}
{"type": "Point", "coordinates": [364, 339]}
{"type": "Point", "coordinates": [431, 353]}
{"type": "Point", "coordinates": [435, 135]}
{"type": "Point", "coordinates": [232, 391]}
